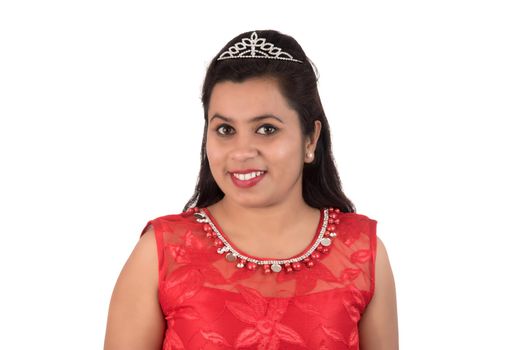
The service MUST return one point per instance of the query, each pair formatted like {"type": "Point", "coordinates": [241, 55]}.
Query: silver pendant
{"type": "Point", "coordinates": [276, 268]}
{"type": "Point", "coordinates": [231, 257]}
{"type": "Point", "coordinates": [325, 241]}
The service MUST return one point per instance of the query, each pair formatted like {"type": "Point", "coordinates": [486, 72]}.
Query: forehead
{"type": "Point", "coordinates": [255, 96]}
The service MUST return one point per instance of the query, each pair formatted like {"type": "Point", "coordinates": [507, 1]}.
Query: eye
{"type": "Point", "coordinates": [268, 129]}
{"type": "Point", "coordinates": [224, 130]}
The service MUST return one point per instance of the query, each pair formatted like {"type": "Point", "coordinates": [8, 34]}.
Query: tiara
{"type": "Point", "coordinates": [255, 47]}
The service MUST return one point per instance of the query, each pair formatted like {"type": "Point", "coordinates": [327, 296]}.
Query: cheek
{"type": "Point", "coordinates": [217, 156]}
{"type": "Point", "coordinates": [213, 153]}
{"type": "Point", "coordinates": [210, 150]}
{"type": "Point", "coordinates": [287, 152]}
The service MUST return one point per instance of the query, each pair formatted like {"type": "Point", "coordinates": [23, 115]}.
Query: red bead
{"type": "Point", "coordinates": [207, 228]}
{"type": "Point", "coordinates": [218, 243]}
{"type": "Point", "coordinates": [325, 250]}
{"type": "Point", "coordinates": [297, 266]}
{"type": "Point", "coordinates": [315, 255]}
{"type": "Point", "coordinates": [287, 267]}
{"type": "Point", "coordinates": [306, 260]}
{"type": "Point", "coordinates": [330, 221]}
{"type": "Point", "coordinates": [337, 210]}
{"type": "Point", "coordinates": [310, 264]}
{"type": "Point", "coordinates": [214, 234]}
{"type": "Point", "coordinates": [319, 247]}
{"type": "Point", "coordinates": [251, 266]}
{"type": "Point", "coordinates": [331, 228]}
{"type": "Point", "coordinates": [337, 221]}
{"type": "Point", "coordinates": [209, 235]}
{"type": "Point", "coordinates": [331, 209]}
{"type": "Point", "coordinates": [267, 269]}
{"type": "Point", "coordinates": [333, 215]}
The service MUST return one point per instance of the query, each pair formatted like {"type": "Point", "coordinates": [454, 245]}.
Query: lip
{"type": "Point", "coordinates": [245, 171]}
{"type": "Point", "coordinates": [246, 183]}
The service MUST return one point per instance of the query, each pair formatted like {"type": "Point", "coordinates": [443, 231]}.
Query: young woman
{"type": "Point", "coordinates": [269, 253]}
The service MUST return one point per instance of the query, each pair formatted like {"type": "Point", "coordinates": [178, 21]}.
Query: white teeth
{"type": "Point", "coordinates": [248, 176]}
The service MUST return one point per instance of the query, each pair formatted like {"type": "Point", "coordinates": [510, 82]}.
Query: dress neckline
{"type": "Point", "coordinates": [319, 230]}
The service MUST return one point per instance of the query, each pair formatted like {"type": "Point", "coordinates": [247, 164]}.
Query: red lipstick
{"type": "Point", "coordinates": [246, 183]}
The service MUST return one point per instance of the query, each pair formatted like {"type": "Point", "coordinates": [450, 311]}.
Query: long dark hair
{"type": "Point", "coordinates": [321, 185]}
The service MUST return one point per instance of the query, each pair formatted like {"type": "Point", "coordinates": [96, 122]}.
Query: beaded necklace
{"type": "Point", "coordinates": [320, 246]}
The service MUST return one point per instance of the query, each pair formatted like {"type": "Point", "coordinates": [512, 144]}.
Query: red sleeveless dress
{"type": "Point", "coordinates": [214, 300]}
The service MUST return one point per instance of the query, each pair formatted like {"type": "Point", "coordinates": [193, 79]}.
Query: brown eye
{"type": "Point", "coordinates": [268, 129]}
{"type": "Point", "coordinates": [224, 129]}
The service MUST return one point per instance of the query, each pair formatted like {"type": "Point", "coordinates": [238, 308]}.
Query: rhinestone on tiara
{"type": "Point", "coordinates": [255, 47]}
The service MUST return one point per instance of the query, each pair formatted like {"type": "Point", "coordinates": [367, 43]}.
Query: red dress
{"type": "Point", "coordinates": [211, 303]}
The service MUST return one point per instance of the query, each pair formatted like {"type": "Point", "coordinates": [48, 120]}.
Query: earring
{"type": "Point", "coordinates": [310, 155]}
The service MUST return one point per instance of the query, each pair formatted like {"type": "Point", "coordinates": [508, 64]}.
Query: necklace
{"type": "Point", "coordinates": [319, 247]}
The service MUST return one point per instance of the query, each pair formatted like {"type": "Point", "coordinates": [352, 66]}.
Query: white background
{"type": "Point", "coordinates": [101, 126]}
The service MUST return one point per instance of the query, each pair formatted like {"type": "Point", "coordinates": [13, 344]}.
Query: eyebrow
{"type": "Point", "coordinates": [252, 120]}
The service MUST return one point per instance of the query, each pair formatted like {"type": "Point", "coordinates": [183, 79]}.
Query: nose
{"type": "Point", "coordinates": [244, 149]}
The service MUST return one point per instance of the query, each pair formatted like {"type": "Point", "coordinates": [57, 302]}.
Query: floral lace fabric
{"type": "Point", "coordinates": [210, 303]}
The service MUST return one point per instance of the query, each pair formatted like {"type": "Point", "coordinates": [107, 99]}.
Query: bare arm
{"type": "Point", "coordinates": [378, 328]}
{"type": "Point", "coordinates": [135, 320]}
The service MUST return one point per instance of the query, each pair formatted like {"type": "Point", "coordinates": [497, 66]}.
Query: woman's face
{"type": "Point", "coordinates": [255, 146]}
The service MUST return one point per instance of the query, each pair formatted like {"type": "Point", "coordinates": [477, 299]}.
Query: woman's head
{"type": "Point", "coordinates": [282, 74]}
{"type": "Point", "coordinates": [255, 146]}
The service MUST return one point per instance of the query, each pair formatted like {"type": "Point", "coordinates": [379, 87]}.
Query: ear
{"type": "Point", "coordinates": [311, 143]}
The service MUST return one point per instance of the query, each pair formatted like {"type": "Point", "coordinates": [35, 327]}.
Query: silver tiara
{"type": "Point", "coordinates": [256, 47]}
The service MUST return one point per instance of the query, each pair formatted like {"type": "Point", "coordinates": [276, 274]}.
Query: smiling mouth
{"type": "Point", "coordinates": [248, 176]}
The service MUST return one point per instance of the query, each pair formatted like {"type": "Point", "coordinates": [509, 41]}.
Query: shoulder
{"type": "Point", "coordinates": [184, 217]}
{"type": "Point", "coordinates": [168, 223]}
{"type": "Point", "coordinates": [357, 226]}
{"type": "Point", "coordinates": [356, 218]}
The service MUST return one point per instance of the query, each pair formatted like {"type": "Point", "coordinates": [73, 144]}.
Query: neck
{"type": "Point", "coordinates": [268, 221]}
